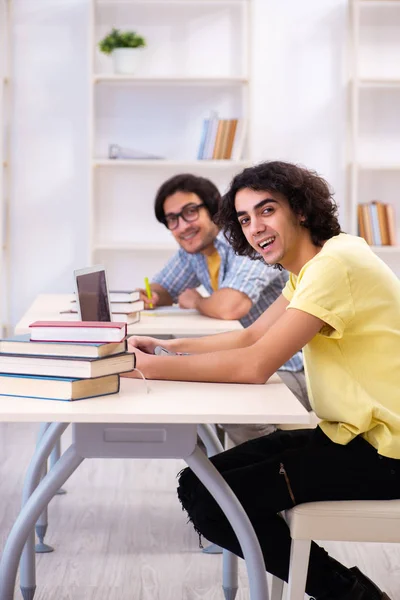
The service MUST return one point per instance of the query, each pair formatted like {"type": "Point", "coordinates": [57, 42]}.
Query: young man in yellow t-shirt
{"type": "Point", "coordinates": [342, 306]}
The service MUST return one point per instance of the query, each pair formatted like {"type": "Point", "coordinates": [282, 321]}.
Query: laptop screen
{"type": "Point", "coordinates": [93, 296]}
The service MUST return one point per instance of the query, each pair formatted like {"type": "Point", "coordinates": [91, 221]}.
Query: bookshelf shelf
{"type": "Point", "coordinates": [378, 3]}
{"type": "Point", "coordinates": [372, 166]}
{"type": "Point", "coordinates": [378, 83]}
{"type": "Point", "coordinates": [183, 80]}
{"type": "Point", "coordinates": [375, 151]}
{"type": "Point", "coordinates": [386, 249]}
{"type": "Point", "coordinates": [183, 164]}
{"type": "Point", "coordinates": [161, 110]}
{"type": "Point", "coordinates": [173, 2]}
{"type": "Point", "coordinates": [129, 247]}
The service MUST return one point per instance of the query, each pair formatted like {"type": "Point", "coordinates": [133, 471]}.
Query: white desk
{"type": "Point", "coordinates": [159, 424]}
{"type": "Point", "coordinates": [48, 306]}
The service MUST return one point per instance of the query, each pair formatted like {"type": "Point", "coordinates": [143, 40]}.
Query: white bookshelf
{"type": "Point", "coordinates": [5, 114]}
{"type": "Point", "coordinates": [375, 124]}
{"type": "Point", "coordinates": [197, 60]}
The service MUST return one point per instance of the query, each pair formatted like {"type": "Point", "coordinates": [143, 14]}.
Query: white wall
{"type": "Point", "coordinates": [299, 103]}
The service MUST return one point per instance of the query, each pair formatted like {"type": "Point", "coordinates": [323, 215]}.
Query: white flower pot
{"type": "Point", "coordinates": [126, 60]}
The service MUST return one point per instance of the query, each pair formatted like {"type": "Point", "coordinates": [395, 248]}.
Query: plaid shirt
{"type": "Point", "coordinates": [262, 284]}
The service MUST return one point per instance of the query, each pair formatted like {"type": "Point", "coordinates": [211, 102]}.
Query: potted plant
{"type": "Point", "coordinates": [124, 47]}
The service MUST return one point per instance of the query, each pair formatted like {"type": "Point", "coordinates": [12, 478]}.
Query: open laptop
{"type": "Point", "coordinates": [92, 297]}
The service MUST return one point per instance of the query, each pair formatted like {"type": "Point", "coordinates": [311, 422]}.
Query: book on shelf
{"type": "Point", "coordinates": [221, 139]}
{"type": "Point", "coordinates": [58, 366]}
{"type": "Point", "coordinates": [77, 331]}
{"type": "Point", "coordinates": [22, 344]}
{"type": "Point", "coordinates": [57, 388]}
{"type": "Point", "coordinates": [118, 152]}
{"type": "Point", "coordinates": [376, 223]}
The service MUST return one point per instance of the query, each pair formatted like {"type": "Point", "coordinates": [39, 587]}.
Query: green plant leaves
{"type": "Point", "coordinates": [121, 39]}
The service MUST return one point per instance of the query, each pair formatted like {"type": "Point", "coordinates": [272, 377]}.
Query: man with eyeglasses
{"type": "Point", "coordinates": [239, 288]}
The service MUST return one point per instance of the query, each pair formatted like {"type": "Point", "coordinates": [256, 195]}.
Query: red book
{"type": "Point", "coordinates": [77, 331]}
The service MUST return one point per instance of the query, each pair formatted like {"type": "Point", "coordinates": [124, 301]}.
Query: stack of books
{"type": "Point", "coordinates": [65, 361]}
{"type": "Point", "coordinates": [125, 307]}
{"type": "Point", "coordinates": [376, 223]}
{"type": "Point", "coordinates": [221, 139]}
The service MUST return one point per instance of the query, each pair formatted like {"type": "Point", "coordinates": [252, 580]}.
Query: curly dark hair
{"type": "Point", "coordinates": [186, 182]}
{"type": "Point", "coordinates": [308, 195]}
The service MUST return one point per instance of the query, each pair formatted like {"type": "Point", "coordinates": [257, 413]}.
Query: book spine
{"type": "Point", "coordinates": [391, 224]}
{"type": "Point", "coordinates": [218, 140]}
{"type": "Point", "coordinates": [231, 138]}
{"type": "Point", "coordinates": [211, 135]}
{"type": "Point", "coordinates": [376, 234]}
{"type": "Point", "coordinates": [203, 138]}
{"type": "Point", "coordinates": [367, 223]}
{"type": "Point", "coordinates": [240, 139]}
{"type": "Point", "coordinates": [383, 224]}
{"type": "Point", "coordinates": [361, 224]}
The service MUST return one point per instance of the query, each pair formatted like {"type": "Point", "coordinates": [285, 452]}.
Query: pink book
{"type": "Point", "coordinates": [77, 331]}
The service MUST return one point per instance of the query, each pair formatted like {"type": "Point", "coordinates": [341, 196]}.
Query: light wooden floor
{"type": "Point", "coordinates": [120, 533]}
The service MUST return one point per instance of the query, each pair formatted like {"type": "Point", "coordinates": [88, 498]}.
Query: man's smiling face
{"type": "Point", "coordinates": [197, 235]}
{"type": "Point", "coordinates": [269, 225]}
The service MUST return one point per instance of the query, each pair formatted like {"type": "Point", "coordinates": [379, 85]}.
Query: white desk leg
{"type": "Point", "coordinates": [230, 579]}
{"type": "Point", "coordinates": [42, 522]}
{"type": "Point", "coordinates": [25, 522]}
{"type": "Point", "coordinates": [32, 478]}
{"type": "Point", "coordinates": [54, 457]}
{"type": "Point", "coordinates": [237, 517]}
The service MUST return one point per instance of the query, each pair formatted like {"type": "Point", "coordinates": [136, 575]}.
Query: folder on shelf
{"type": "Point", "coordinates": [117, 152]}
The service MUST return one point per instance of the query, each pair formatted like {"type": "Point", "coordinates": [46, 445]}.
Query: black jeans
{"type": "Point", "coordinates": [271, 474]}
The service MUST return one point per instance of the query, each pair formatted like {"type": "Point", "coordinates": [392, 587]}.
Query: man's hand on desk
{"type": "Point", "coordinates": [189, 298]}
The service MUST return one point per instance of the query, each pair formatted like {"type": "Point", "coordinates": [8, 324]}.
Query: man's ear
{"type": "Point", "coordinates": [302, 220]}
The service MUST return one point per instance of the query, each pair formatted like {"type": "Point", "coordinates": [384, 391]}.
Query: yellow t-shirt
{"type": "Point", "coordinates": [353, 364]}
{"type": "Point", "coordinates": [213, 264]}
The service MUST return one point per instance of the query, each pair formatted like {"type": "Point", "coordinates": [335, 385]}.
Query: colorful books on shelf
{"type": "Point", "coordinates": [376, 223]}
{"type": "Point", "coordinates": [77, 331]}
{"type": "Point", "coordinates": [221, 139]}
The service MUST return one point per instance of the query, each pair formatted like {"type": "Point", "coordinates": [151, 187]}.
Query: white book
{"type": "Point", "coordinates": [119, 307]}
{"type": "Point", "coordinates": [240, 140]}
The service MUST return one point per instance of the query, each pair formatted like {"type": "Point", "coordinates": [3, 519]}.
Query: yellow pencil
{"type": "Point", "coordinates": [148, 290]}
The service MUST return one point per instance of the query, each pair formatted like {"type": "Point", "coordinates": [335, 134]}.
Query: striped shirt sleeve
{"type": "Point", "coordinates": [249, 276]}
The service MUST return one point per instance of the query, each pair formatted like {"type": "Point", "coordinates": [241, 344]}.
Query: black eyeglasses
{"type": "Point", "coordinates": [189, 213]}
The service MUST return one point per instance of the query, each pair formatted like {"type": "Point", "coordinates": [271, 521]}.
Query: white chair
{"type": "Point", "coordinates": [344, 521]}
